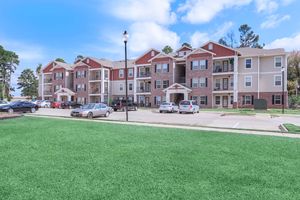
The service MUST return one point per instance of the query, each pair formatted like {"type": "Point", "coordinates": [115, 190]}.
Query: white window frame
{"type": "Point", "coordinates": [195, 65]}
{"type": "Point", "coordinates": [276, 76]}
{"type": "Point", "coordinates": [158, 68]}
{"type": "Point", "coordinates": [249, 100]}
{"type": "Point", "coordinates": [121, 73]}
{"type": "Point", "coordinates": [281, 59]}
{"type": "Point", "coordinates": [219, 102]}
{"type": "Point", "coordinates": [152, 53]}
{"type": "Point", "coordinates": [121, 87]}
{"type": "Point", "coordinates": [210, 46]}
{"type": "Point", "coordinates": [245, 81]}
{"type": "Point", "coordinates": [201, 83]}
{"type": "Point", "coordinates": [195, 82]}
{"type": "Point", "coordinates": [130, 86]}
{"type": "Point", "coordinates": [130, 72]}
{"type": "Point", "coordinates": [280, 100]}
{"type": "Point", "coordinates": [246, 63]}
{"type": "Point", "coordinates": [164, 68]}
{"type": "Point", "coordinates": [202, 101]}
{"type": "Point", "coordinates": [157, 84]}
{"type": "Point", "coordinates": [158, 100]}
{"type": "Point", "coordinates": [202, 64]}
{"type": "Point", "coordinates": [165, 85]}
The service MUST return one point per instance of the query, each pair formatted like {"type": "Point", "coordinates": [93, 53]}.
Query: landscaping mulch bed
{"type": "Point", "coordinates": [9, 116]}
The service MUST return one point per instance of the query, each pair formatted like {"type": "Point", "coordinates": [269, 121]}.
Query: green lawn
{"type": "Point", "coordinates": [292, 128]}
{"type": "Point", "coordinates": [62, 159]}
{"type": "Point", "coordinates": [252, 111]}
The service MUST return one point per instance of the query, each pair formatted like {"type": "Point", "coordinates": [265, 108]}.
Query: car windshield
{"type": "Point", "coordinates": [184, 103]}
{"type": "Point", "coordinates": [15, 102]}
{"type": "Point", "coordinates": [2, 102]}
{"type": "Point", "coordinates": [165, 104]}
{"type": "Point", "coordinates": [88, 106]}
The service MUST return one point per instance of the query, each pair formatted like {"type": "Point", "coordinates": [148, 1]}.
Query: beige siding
{"type": "Point", "coordinates": [115, 87]}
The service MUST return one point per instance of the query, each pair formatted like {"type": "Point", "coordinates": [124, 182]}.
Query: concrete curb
{"type": "Point", "coordinates": [227, 130]}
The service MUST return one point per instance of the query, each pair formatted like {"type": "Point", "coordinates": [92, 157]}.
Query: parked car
{"type": "Point", "coordinates": [188, 106]}
{"type": "Point", "coordinates": [44, 104]}
{"type": "Point", "coordinates": [121, 105]}
{"type": "Point", "coordinates": [70, 104]}
{"type": "Point", "coordinates": [19, 106]}
{"type": "Point", "coordinates": [3, 103]}
{"type": "Point", "coordinates": [92, 110]}
{"type": "Point", "coordinates": [56, 104]}
{"type": "Point", "coordinates": [168, 107]}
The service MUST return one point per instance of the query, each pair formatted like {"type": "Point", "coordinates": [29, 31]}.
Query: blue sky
{"type": "Point", "coordinates": [40, 31]}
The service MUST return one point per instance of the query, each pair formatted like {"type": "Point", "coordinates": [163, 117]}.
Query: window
{"type": "Point", "coordinates": [277, 99]}
{"type": "Point", "coordinates": [157, 100]}
{"type": "Point", "coordinates": [248, 63]}
{"type": "Point", "coordinates": [80, 87]}
{"type": "Point", "coordinates": [203, 64]}
{"type": "Point", "coordinates": [105, 74]}
{"type": "Point", "coordinates": [58, 75]}
{"type": "Point", "coordinates": [165, 68]}
{"type": "Point", "coordinates": [80, 74]}
{"type": "Point", "coordinates": [278, 61]}
{"type": "Point", "coordinates": [195, 65]}
{"type": "Point", "coordinates": [195, 98]}
{"type": "Point", "coordinates": [106, 87]}
{"type": "Point", "coordinates": [247, 99]}
{"type": "Point", "coordinates": [165, 83]}
{"type": "Point", "coordinates": [202, 82]}
{"type": "Point", "coordinates": [231, 99]}
{"type": "Point", "coordinates": [152, 53]}
{"type": "Point", "coordinates": [130, 86]}
{"type": "Point", "coordinates": [130, 72]}
{"type": "Point", "coordinates": [203, 100]}
{"type": "Point", "coordinates": [277, 80]}
{"type": "Point", "coordinates": [121, 87]}
{"type": "Point", "coordinates": [121, 73]}
{"type": "Point", "coordinates": [231, 82]}
{"type": "Point", "coordinates": [218, 84]}
{"type": "Point", "coordinates": [248, 81]}
{"type": "Point", "coordinates": [158, 68]}
{"type": "Point", "coordinates": [210, 46]}
{"type": "Point", "coordinates": [218, 100]}
{"type": "Point", "coordinates": [57, 87]}
{"type": "Point", "coordinates": [194, 82]}
{"type": "Point", "coordinates": [157, 84]}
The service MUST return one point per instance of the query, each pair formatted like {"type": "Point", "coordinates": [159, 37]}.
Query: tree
{"type": "Point", "coordinates": [60, 60]}
{"type": "Point", "coordinates": [223, 42]}
{"type": "Point", "coordinates": [293, 73]}
{"type": "Point", "coordinates": [28, 83]}
{"type": "Point", "coordinates": [38, 69]}
{"type": "Point", "coordinates": [248, 38]}
{"type": "Point", "coordinates": [79, 57]}
{"type": "Point", "coordinates": [8, 64]}
{"type": "Point", "coordinates": [186, 44]}
{"type": "Point", "coordinates": [167, 49]}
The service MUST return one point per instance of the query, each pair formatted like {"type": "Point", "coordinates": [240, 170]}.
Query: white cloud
{"type": "Point", "coordinates": [199, 38]}
{"type": "Point", "coordinates": [158, 11]}
{"type": "Point", "coordinates": [287, 2]}
{"type": "Point", "coordinates": [146, 35]}
{"type": "Point", "coordinates": [289, 43]}
{"type": "Point", "coordinates": [274, 20]}
{"type": "Point", "coordinates": [268, 6]}
{"type": "Point", "coordinates": [223, 30]}
{"type": "Point", "coordinates": [202, 11]}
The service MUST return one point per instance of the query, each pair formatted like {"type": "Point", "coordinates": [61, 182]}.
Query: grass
{"type": "Point", "coordinates": [62, 159]}
{"type": "Point", "coordinates": [292, 128]}
{"type": "Point", "coordinates": [252, 111]}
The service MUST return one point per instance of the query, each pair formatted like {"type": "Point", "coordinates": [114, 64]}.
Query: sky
{"type": "Point", "coordinates": [40, 31]}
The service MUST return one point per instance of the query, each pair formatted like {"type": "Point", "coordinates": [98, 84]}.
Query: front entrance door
{"type": "Point", "coordinates": [225, 101]}
{"type": "Point", "coordinates": [147, 101]}
{"type": "Point", "coordinates": [178, 97]}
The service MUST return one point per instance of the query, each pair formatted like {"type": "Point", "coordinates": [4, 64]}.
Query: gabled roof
{"type": "Point", "coordinates": [199, 50]}
{"type": "Point", "coordinates": [152, 49]}
{"type": "Point", "coordinates": [247, 51]}
{"type": "Point", "coordinates": [210, 41]}
{"type": "Point", "coordinates": [102, 61]}
{"type": "Point", "coordinates": [121, 64]}
{"type": "Point", "coordinates": [162, 55]}
{"type": "Point", "coordinates": [177, 86]}
{"type": "Point", "coordinates": [65, 90]}
{"type": "Point", "coordinates": [184, 46]}
{"type": "Point", "coordinates": [57, 64]}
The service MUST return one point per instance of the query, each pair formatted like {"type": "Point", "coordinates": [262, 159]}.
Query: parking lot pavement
{"type": "Point", "coordinates": [211, 119]}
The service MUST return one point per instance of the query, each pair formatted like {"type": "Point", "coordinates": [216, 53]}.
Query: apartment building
{"type": "Point", "coordinates": [214, 75]}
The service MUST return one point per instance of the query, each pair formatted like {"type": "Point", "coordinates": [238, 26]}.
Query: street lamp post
{"type": "Point", "coordinates": [282, 100]}
{"type": "Point", "coordinates": [125, 38]}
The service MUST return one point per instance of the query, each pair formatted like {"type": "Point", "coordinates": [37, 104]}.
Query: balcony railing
{"type": "Point", "coordinates": [221, 88]}
{"type": "Point", "coordinates": [48, 80]}
{"type": "Point", "coordinates": [222, 69]}
{"type": "Point", "coordinates": [95, 76]}
{"type": "Point", "coordinates": [48, 92]}
{"type": "Point", "coordinates": [143, 74]}
{"type": "Point", "coordinates": [142, 90]}
{"type": "Point", "coordinates": [95, 91]}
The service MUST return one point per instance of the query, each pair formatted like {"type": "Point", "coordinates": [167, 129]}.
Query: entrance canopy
{"type": "Point", "coordinates": [177, 88]}
{"type": "Point", "coordinates": [64, 92]}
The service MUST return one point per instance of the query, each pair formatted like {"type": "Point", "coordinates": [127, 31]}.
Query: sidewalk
{"type": "Point", "coordinates": [200, 128]}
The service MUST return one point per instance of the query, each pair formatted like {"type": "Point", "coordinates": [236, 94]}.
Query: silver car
{"type": "Point", "coordinates": [3, 103]}
{"type": "Point", "coordinates": [92, 110]}
{"type": "Point", "coordinates": [188, 106]}
{"type": "Point", "coordinates": [168, 107]}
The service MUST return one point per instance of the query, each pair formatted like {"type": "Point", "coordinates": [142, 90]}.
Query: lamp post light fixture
{"type": "Point", "coordinates": [125, 39]}
{"type": "Point", "coordinates": [282, 100]}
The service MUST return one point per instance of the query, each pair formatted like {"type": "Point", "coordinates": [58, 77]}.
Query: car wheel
{"type": "Point", "coordinates": [32, 110]}
{"type": "Point", "coordinates": [180, 112]}
{"type": "Point", "coordinates": [123, 109]}
{"type": "Point", "coordinates": [115, 110]}
{"type": "Point", "coordinates": [107, 114]}
{"type": "Point", "coordinates": [198, 111]}
{"type": "Point", "coordinates": [90, 115]}
{"type": "Point", "coordinates": [135, 108]}
{"type": "Point", "coordinates": [160, 111]}
{"type": "Point", "coordinates": [172, 110]}
{"type": "Point", "coordinates": [10, 111]}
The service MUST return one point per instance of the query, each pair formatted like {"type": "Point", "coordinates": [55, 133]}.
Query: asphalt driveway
{"type": "Point", "coordinates": [204, 118]}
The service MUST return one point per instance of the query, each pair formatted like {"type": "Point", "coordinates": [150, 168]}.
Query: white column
{"type": "Point", "coordinates": [69, 97]}
{"type": "Point", "coordinates": [108, 86]}
{"type": "Point", "coordinates": [43, 98]}
{"type": "Point", "coordinates": [102, 84]}
{"type": "Point", "coordinates": [186, 95]}
{"type": "Point", "coordinates": [168, 96]}
{"type": "Point", "coordinates": [235, 80]}
{"type": "Point", "coordinates": [134, 84]}
{"type": "Point", "coordinates": [258, 76]}
{"type": "Point", "coordinates": [173, 72]}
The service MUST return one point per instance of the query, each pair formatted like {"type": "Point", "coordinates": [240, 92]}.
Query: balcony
{"type": "Point", "coordinates": [143, 75]}
{"type": "Point", "coordinates": [47, 92]}
{"type": "Point", "coordinates": [47, 80]}
{"type": "Point", "coordinates": [143, 90]}
{"type": "Point", "coordinates": [222, 69]}
{"type": "Point", "coordinates": [95, 76]}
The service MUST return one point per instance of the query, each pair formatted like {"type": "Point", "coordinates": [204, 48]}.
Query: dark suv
{"type": "Point", "coordinates": [121, 105]}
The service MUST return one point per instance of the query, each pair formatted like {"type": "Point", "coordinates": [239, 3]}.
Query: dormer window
{"type": "Point", "coordinates": [210, 46]}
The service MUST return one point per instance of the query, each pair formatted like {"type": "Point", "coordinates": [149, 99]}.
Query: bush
{"type": "Point", "coordinates": [294, 101]}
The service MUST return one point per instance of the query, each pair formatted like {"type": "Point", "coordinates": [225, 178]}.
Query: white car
{"type": "Point", "coordinates": [3, 103]}
{"type": "Point", "coordinates": [188, 106]}
{"type": "Point", "coordinates": [44, 104]}
{"type": "Point", "coordinates": [168, 107]}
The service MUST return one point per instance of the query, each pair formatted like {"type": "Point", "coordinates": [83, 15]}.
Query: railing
{"type": "Point", "coordinates": [48, 80]}
{"type": "Point", "coordinates": [143, 75]}
{"type": "Point", "coordinates": [222, 88]}
{"type": "Point", "coordinates": [142, 90]}
{"type": "Point", "coordinates": [220, 69]}
{"type": "Point", "coordinates": [94, 91]}
{"type": "Point", "coordinates": [95, 76]}
{"type": "Point", "coordinates": [47, 92]}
